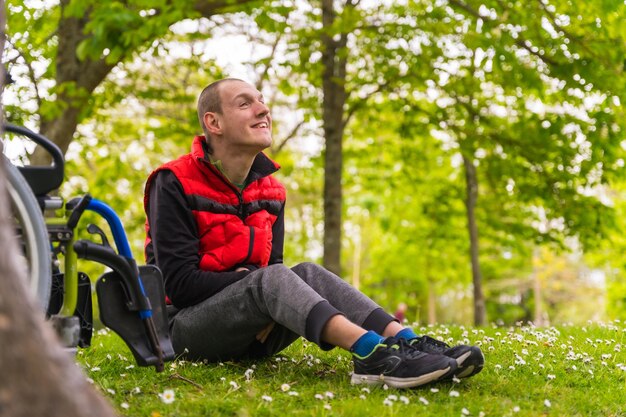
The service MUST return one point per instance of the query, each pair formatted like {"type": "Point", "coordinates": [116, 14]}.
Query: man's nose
{"type": "Point", "coordinates": [262, 109]}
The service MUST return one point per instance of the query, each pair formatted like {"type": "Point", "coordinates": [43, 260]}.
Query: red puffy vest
{"type": "Point", "coordinates": [235, 227]}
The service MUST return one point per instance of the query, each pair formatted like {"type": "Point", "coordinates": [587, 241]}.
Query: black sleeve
{"type": "Point", "coordinates": [175, 243]}
{"type": "Point", "coordinates": [278, 238]}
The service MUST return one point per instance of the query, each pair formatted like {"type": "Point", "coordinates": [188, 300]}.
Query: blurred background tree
{"type": "Point", "coordinates": [465, 158]}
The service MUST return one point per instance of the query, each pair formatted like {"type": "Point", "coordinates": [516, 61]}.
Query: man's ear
{"type": "Point", "coordinates": [212, 123]}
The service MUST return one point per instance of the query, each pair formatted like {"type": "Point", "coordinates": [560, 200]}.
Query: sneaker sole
{"type": "Point", "coordinates": [397, 382]}
{"type": "Point", "coordinates": [469, 371]}
{"type": "Point", "coordinates": [476, 365]}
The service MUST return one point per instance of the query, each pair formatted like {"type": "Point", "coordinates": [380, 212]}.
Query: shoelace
{"type": "Point", "coordinates": [403, 346]}
{"type": "Point", "coordinates": [434, 344]}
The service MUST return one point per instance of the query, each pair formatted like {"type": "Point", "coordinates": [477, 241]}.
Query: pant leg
{"type": "Point", "coordinates": [225, 325]}
{"type": "Point", "coordinates": [300, 301]}
{"type": "Point", "coordinates": [349, 301]}
{"type": "Point", "coordinates": [355, 305]}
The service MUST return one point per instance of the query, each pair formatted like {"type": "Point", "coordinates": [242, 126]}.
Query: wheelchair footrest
{"type": "Point", "coordinates": [114, 313]}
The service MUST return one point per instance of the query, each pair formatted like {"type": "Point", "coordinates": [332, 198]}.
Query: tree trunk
{"type": "Point", "coordinates": [471, 182]}
{"type": "Point", "coordinates": [432, 302]}
{"type": "Point", "coordinates": [333, 85]}
{"type": "Point", "coordinates": [538, 316]}
{"type": "Point", "coordinates": [356, 260]}
{"type": "Point", "coordinates": [39, 377]}
{"type": "Point", "coordinates": [431, 306]}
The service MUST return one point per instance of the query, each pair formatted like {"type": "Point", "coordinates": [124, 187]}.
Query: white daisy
{"type": "Point", "coordinates": [167, 396]}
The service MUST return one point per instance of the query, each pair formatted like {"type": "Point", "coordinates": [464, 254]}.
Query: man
{"type": "Point", "coordinates": [215, 229]}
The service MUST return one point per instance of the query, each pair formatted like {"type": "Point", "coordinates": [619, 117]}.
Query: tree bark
{"type": "Point", "coordinates": [39, 377]}
{"type": "Point", "coordinates": [432, 302]}
{"type": "Point", "coordinates": [471, 182]}
{"type": "Point", "coordinates": [538, 316]}
{"type": "Point", "coordinates": [333, 86]}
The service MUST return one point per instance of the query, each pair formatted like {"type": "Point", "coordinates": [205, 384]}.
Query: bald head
{"type": "Point", "coordinates": [210, 100]}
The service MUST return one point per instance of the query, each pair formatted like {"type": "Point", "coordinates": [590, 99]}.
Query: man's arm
{"type": "Point", "coordinates": [175, 244]}
{"type": "Point", "coordinates": [278, 238]}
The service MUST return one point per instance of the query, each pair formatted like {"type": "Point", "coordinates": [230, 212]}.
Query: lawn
{"type": "Point", "coordinates": [556, 371]}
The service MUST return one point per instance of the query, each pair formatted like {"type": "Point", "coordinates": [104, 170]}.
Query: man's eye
{"type": "Point", "coordinates": [243, 104]}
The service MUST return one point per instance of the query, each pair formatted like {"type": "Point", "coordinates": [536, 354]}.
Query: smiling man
{"type": "Point", "coordinates": [216, 229]}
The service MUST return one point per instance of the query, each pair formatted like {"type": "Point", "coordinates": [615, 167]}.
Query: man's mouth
{"type": "Point", "coordinates": [262, 125]}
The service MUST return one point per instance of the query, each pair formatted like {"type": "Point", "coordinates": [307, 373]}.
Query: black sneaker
{"type": "Point", "coordinates": [395, 363]}
{"type": "Point", "coordinates": [469, 359]}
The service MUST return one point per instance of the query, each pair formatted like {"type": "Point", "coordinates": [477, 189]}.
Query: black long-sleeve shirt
{"type": "Point", "coordinates": [175, 242]}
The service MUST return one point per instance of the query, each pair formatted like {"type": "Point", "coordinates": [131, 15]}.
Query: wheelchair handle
{"type": "Point", "coordinates": [42, 179]}
{"type": "Point", "coordinates": [77, 206]}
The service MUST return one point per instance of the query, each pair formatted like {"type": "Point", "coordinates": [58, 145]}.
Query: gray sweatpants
{"type": "Point", "coordinates": [299, 300]}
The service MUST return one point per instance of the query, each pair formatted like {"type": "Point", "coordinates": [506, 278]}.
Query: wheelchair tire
{"type": "Point", "coordinates": [32, 234]}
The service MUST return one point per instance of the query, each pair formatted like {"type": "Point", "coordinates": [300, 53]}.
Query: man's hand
{"type": "Point", "coordinates": [262, 335]}
{"type": "Point", "coordinates": [241, 268]}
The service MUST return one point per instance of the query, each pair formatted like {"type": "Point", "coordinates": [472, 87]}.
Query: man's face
{"type": "Point", "coordinates": [245, 121]}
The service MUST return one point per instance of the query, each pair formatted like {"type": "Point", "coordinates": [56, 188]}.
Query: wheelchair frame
{"type": "Point", "coordinates": [131, 298]}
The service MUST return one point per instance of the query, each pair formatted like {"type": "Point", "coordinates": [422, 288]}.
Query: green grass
{"type": "Point", "coordinates": [557, 371]}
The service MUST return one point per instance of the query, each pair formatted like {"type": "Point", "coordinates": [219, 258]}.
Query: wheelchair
{"type": "Point", "coordinates": [131, 298]}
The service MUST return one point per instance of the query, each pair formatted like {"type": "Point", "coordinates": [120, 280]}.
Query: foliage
{"type": "Point", "coordinates": [406, 187]}
{"type": "Point", "coordinates": [525, 103]}
{"type": "Point", "coordinates": [556, 137]}
{"type": "Point", "coordinates": [529, 93]}
{"type": "Point", "coordinates": [529, 371]}
{"type": "Point", "coordinates": [109, 157]}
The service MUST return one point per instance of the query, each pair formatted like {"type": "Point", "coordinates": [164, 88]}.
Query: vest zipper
{"type": "Point", "coordinates": [237, 191]}
{"type": "Point", "coordinates": [243, 215]}
{"type": "Point", "coordinates": [251, 245]}
{"type": "Point", "coordinates": [240, 209]}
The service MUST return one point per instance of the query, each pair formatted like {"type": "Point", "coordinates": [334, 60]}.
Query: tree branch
{"type": "Point", "coordinates": [263, 76]}
{"type": "Point", "coordinates": [292, 134]}
{"type": "Point", "coordinates": [520, 42]}
{"type": "Point", "coordinates": [31, 71]}
{"type": "Point", "coordinates": [360, 104]}
{"type": "Point", "coordinates": [569, 35]}
{"type": "Point", "coordinates": [524, 44]}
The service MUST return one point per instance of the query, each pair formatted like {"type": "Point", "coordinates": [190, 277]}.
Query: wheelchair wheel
{"type": "Point", "coordinates": [32, 235]}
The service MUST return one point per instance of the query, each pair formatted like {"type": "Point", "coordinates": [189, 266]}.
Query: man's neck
{"type": "Point", "coordinates": [235, 167]}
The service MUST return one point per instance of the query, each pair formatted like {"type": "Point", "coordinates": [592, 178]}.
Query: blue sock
{"type": "Point", "coordinates": [366, 343]}
{"type": "Point", "coordinates": [406, 333]}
